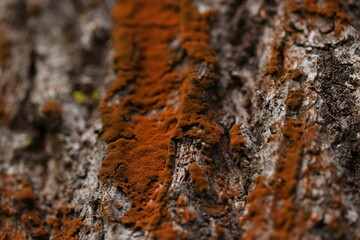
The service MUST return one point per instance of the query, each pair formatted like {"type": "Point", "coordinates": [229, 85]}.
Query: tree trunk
{"type": "Point", "coordinates": [179, 119]}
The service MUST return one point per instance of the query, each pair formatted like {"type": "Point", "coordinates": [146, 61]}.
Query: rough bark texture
{"type": "Point", "coordinates": [179, 119]}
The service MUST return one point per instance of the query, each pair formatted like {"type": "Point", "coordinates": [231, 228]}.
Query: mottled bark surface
{"type": "Point", "coordinates": [177, 119]}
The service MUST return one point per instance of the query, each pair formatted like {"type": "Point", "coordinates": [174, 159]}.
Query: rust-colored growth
{"type": "Point", "coordinates": [216, 210]}
{"type": "Point", "coordinates": [11, 235]}
{"type": "Point", "coordinates": [65, 225]}
{"type": "Point", "coordinates": [99, 227]}
{"type": "Point", "coordinates": [208, 160]}
{"type": "Point", "coordinates": [106, 209]}
{"type": "Point", "coordinates": [237, 142]}
{"type": "Point", "coordinates": [330, 10]}
{"type": "Point", "coordinates": [273, 68]}
{"type": "Point", "coordinates": [274, 127]}
{"type": "Point", "coordinates": [192, 110]}
{"type": "Point", "coordinates": [185, 216]}
{"type": "Point", "coordinates": [289, 162]}
{"type": "Point", "coordinates": [166, 232]}
{"type": "Point", "coordinates": [119, 206]}
{"type": "Point", "coordinates": [140, 130]}
{"type": "Point", "coordinates": [287, 221]}
{"type": "Point", "coordinates": [54, 222]}
{"type": "Point", "coordinates": [17, 209]}
{"type": "Point", "coordinates": [5, 51]}
{"type": "Point", "coordinates": [39, 233]}
{"type": "Point", "coordinates": [273, 212]}
{"type": "Point", "coordinates": [220, 231]}
{"type": "Point", "coordinates": [26, 194]}
{"type": "Point", "coordinates": [64, 210]}
{"type": "Point", "coordinates": [51, 110]}
{"type": "Point", "coordinates": [96, 2]}
{"type": "Point", "coordinates": [4, 116]}
{"type": "Point", "coordinates": [197, 176]}
{"type": "Point", "coordinates": [224, 196]}
{"type": "Point", "coordinates": [294, 100]}
{"type": "Point", "coordinates": [182, 201]}
{"type": "Point", "coordinates": [189, 215]}
{"type": "Point", "coordinates": [275, 61]}
{"type": "Point", "coordinates": [51, 113]}
{"type": "Point", "coordinates": [295, 74]}
{"type": "Point", "coordinates": [207, 169]}
{"type": "Point", "coordinates": [33, 9]}
{"type": "Point", "coordinates": [31, 219]}
{"type": "Point", "coordinates": [69, 230]}
{"type": "Point", "coordinates": [256, 205]}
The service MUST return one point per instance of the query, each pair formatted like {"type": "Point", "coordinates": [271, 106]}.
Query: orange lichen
{"type": "Point", "coordinates": [119, 206]}
{"type": "Point", "coordinates": [294, 99]}
{"type": "Point", "coordinates": [275, 61]}
{"type": "Point", "coordinates": [4, 51]}
{"type": "Point", "coordinates": [193, 114]}
{"type": "Point", "coordinates": [226, 191]}
{"type": "Point", "coordinates": [26, 194]}
{"type": "Point", "coordinates": [273, 212]}
{"type": "Point", "coordinates": [198, 178]}
{"type": "Point", "coordinates": [69, 230]}
{"type": "Point", "coordinates": [64, 210]}
{"type": "Point", "coordinates": [51, 110]}
{"type": "Point", "coordinates": [33, 9]}
{"type": "Point", "coordinates": [51, 114]}
{"type": "Point", "coordinates": [65, 225]}
{"type": "Point", "coordinates": [185, 216]}
{"type": "Point", "coordinates": [11, 235]}
{"type": "Point", "coordinates": [54, 222]}
{"type": "Point", "coordinates": [283, 211]}
{"type": "Point", "coordinates": [287, 170]}
{"type": "Point", "coordinates": [329, 9]}
{"type": "Point", "coordinates": [18, 206]}
{"type": "Point", "coordinates": [166, 232]}
{"type": "Point", "coordinates": [4, 116]}
{"type": "Point", "coordinates": [224, 197]}
{"type": "Point", "coordinates": [208, 160]}
{"type": "Point", "coordinates": [106, 209]}
{"type": "Point", "coordinates": [159, 104]}
{"type": "Point", "coordinates": [215, 210]}
{"type": "Point", "coordinates": [31, 219]}
{"type": "Point", "coordinates": [18, 210]}
{"type": "Point", "coordinates": [140, 146]}
{"type": "Point", "coordinates": [39, 233]}
{"type": "Point", "coordinates": [220, 231]}
{"type": "Point", "coordinates": [295, 74]}
{"type": "Point", "coordinates": [207, 169]}
{"type": "Point", "coordinates": [189, 215]}
{"type": "Point", "coordinates": [182, 201]}
{"type": "Point", "coordinates": [237, 142]}
{"type": "Point", "coordinates": [98, 227]}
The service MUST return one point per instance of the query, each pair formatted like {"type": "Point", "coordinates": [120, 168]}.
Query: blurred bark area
{"type": "Point", "coordinates": [283, 96]}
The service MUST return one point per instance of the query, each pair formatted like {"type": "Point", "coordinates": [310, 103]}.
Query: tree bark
{"type": "Point", "coordinates": [179, 119]}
